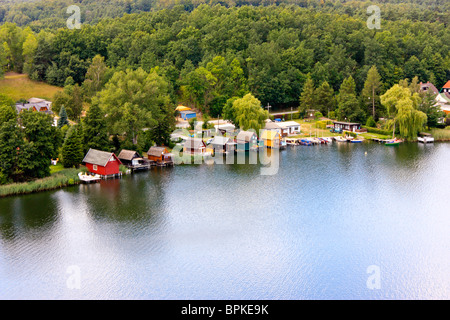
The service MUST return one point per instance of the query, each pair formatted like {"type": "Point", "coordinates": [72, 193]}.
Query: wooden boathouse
{"type": "Point", "coordinates": [133, 160]}
{"type": "Point", "coordinates": [160, 156]}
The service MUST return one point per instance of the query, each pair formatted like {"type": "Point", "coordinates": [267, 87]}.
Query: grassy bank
{"type": "Point", "coordinates": [441, 134]}
{"type": "Point", "coordinates": [59, 179]}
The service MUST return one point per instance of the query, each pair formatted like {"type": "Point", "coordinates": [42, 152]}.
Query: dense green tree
{"type": "Point", "coordinates": [62, 121]}
{"type": "Point", "coordinates": [401, 106]}
{"type": "Point", "coordinates": [249, 113]}
{"type": "Point", "coordinates": [348, 105]}
{"type": "Point", "coordinates": [40, 148]}
{"type": "Point", "coordinates": [432, 110]}
{"type": "Point", "coordinates": [71, 98]}
{"type": "Point", "coordinates": [72, 150]}
{"type": "Point", "coordinates": [96, 76]}
{"type": "Point", "coordinates": [134, 100]}
{"type": "Point", "coordinates": [94, 129]}
{"type": "Point", "coordinates": [307, 98]}
{"type": "Point", "coordinates": [324, 98]}
{"type": "Point", "coordinates": [371, 89]}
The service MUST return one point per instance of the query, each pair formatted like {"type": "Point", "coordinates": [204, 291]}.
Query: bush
{"type": "Point", "coordinates": [351, 134]}
{"type": "Point", "coordinates": [318, 115]}
{"type": "Point", "coordinates": [332, 115]}
{"type": "Point", "coordinates": [296, 116]}
{"type": "Point", "coordinates": [371, 122]}
{"type": "Point", "coordinates": [378, 131]}
{"type": "Point", "coordinates": [323, 124]}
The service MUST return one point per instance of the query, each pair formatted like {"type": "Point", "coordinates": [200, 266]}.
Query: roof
{"type": "Point", "coordinates": [225, 126]}
{"type": "Point", "coordinates": [128, 155]}
{"type": "Point", "coordinates": [182, 108]}
{"type": "Point", "coordinates": [98, 157]}
{"type": "Point", "coordinates": [194, 143]}
{"type": "Point", "coordinates": [270, 135]}
{"type": "Point", "coordinates": [348, 123]}
{"type": "Point", "coordinates": [427, 86]}
{"type": "Point", "coordinates": [156, 151]}
{"type": "Point", "coordinates": [447, 85]}
{"type": "Point", "coordinates": [245, 136]}
{"type": "Point", "coordinates": [272, 125]}
{"type": "Point", "coordinates": [219, 140]}
{"type": "Point", "coordinates": [289, 124]}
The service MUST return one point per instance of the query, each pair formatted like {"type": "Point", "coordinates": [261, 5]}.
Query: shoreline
{"type": "Point", "coordinates": [69, 177]}
{"type": "Point", "coordinates": [58, 180]}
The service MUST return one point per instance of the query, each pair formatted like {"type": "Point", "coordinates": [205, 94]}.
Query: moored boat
{"type": "Point", "coordinates": [425, 138]}
{"type": "Point", "coordinates": [393, 142]}
{"type": "Point", "coordinates": [340, 139]}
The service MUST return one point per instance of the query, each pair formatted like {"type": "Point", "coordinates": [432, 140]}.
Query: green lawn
{"type": "Point", "coordinates": [19, 86]}
{"type": "Point", "coordinates": [57, 168]}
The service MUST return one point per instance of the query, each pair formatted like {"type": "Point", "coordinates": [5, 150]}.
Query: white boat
{"type": "Point", "coordinates": [425, 138]}
{"type": "Point", "coordinates": [87, 178]}
{"type": "Point", "coordinates": [327, 139]}
{"type": "Point", "coordinates": [340, 139]}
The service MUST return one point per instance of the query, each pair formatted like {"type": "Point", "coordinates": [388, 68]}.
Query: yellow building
{"type": "Point", "coordinates": [271, 139]}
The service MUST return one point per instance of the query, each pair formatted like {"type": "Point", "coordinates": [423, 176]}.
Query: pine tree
{"type": "Point", "coordinates": [349, 109]}
{"type": "Point", "coordinates": [307, 96]}
{"type": "Point", "coordinates": [62, 118]}
{"type": "Point", "coordinates": [371, 90]}
{"type": "Point", "coordinates": [72, 150]}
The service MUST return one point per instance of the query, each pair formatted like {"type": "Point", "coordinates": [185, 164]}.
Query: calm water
{"type": "Point", "coordinates": [227, 232]}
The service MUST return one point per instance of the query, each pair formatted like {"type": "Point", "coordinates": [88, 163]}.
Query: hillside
{"type": "Point", "coordinates": [19, 86]}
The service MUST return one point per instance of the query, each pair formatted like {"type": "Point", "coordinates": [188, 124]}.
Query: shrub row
{"type": "Point", "coordinates": [376, 130]}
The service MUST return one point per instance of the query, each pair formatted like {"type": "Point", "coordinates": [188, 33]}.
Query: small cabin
{"type": "Point", "coordinates": [223, 144]}
{"type": "Point", "coordinates": [194, 146]}
{"type": "Point", "coordinates": [290, 128]}
{"type": "Point", "coordinates": [245, 140]}
{"type": "Point", "coordinates": [271, 139]}
{"type": "Point", "coordinates": [130, 158]}
{"type": "Point", "coordinates": [340, 126]}
{"type": "Point", "coordinates": [102, 163]}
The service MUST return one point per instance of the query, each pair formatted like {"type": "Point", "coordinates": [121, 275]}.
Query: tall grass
{"type": "Point", "coordinates": [441, 134]}
{"type": "Point", "coordinates": [63, 178]}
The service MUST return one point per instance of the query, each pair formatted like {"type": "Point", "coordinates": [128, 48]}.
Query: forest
{"type": "Point", "coordinates": [134, 61]}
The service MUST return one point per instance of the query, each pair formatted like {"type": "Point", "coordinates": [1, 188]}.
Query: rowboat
{"type": "Point", "coordinates": [394, 142]}
{"type": "Point", "coordinates": [356, 141]}
{"type": "Point", "coordinates": [305, 142]}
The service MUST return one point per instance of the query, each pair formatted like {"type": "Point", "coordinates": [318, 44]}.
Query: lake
{"type": "Point", "coordinates": [340, 221]}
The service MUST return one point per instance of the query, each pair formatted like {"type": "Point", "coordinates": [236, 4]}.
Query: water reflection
{"type": "Point", "coordinates": [228, 232]}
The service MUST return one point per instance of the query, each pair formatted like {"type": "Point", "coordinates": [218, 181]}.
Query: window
{"type": "Point", "coordinates": [94, 167]}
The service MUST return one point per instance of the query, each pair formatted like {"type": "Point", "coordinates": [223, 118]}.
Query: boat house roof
{"type": "Point", "coordinates": [128, 155]}
{"type": "Point", "coordinates": [98, 157]}
{"type": "Point", "coordinates": [245, 136]}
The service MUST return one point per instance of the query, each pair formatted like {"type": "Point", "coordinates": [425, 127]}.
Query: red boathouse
{"type": "Point", "coordinates": [102, 163]}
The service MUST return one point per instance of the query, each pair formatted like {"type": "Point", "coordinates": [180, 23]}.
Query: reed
{"type": "Point", "coordinates": [60, 179]}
